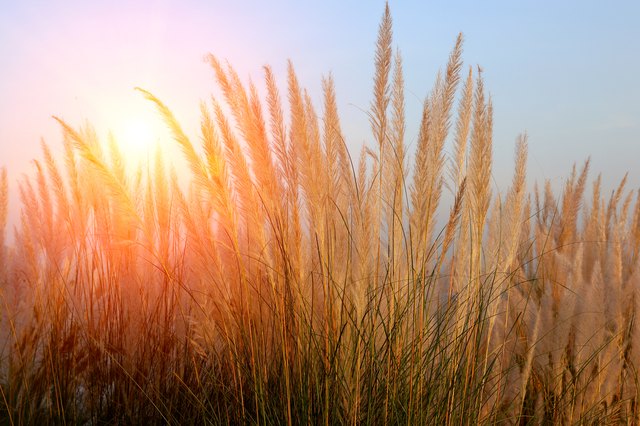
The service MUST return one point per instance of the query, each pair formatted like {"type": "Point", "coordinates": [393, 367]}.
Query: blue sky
{"type": "Point", "coordinates": [565, 73]}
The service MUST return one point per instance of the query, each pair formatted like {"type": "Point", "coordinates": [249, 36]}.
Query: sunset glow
{"type": "Point", "coordinates": [362, 234]}
{"type": "Point", "coordinates": [138, 135]}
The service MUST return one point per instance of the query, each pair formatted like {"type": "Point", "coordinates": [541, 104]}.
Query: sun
{"type": "Point", "coordinates": [138, 134]}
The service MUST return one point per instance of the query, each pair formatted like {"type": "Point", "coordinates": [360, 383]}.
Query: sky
{"type": "Point", "coordinates": [564, 72]}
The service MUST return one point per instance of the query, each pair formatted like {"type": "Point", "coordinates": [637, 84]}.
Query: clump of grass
{"type": "Point", "coordinates": [285, 282]}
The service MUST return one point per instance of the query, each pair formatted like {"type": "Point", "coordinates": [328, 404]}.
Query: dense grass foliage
{"type": "Point", "coordinates": [285, 281]}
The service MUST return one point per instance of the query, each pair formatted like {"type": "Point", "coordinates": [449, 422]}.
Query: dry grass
{"type": "Point", "coordinates": [286, 283]}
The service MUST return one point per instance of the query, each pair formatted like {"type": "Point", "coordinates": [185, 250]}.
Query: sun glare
{"type": "Point", "coordinates": [138, 135]}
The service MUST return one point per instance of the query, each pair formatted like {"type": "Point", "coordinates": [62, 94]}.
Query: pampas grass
{"type": "Point", "coordinates": [283, 280]}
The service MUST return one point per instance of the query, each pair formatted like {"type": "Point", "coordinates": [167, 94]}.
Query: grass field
{"type": "Point", "coordinates": [285, 280]}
